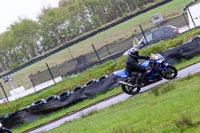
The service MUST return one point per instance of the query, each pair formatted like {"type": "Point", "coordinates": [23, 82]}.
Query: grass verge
{"type": "Point", "coordinates": [95, 72]}
{"type": "Point", "coordinates": [174, 110]}
{"type": "Point", "coordinates": [157, 92]}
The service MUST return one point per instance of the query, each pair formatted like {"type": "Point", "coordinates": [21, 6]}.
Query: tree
{"type": "Point", "coordinates": [53, 27]}
{"type": "Point", "coordinates": [25, 39]}
{"type": "Point", "coordinates": [6, 47]}
{"type": "Point", "coordinates": [26, 34]}
{"type": "Point", "coordinates": [64, 3]}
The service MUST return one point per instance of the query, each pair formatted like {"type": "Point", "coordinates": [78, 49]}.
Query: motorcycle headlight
{"type": "Point", "coordinates": [154, 57]}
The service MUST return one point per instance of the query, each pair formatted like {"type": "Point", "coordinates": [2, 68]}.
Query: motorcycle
{"type": "Point", "coordinates": [158, 69]}
{"type": "Point", "coordinates": [4, 130]}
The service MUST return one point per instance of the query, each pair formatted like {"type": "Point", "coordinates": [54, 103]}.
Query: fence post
{"type": "Point", "coordinates": [4, 91]}
{"type": "Point", "coordinates": [84, 59]}
{"type": "Point", "coordinates": [32, 82]}
{"type": "Point", "coordinates": [143, 34]}
{"type": "Point", "coordinates": [134, 39]}
{"type": "Point", "coordinates": [158, 25]}
{"type": "Point", "coordinates": [60, 73]}
{"type": "Point", "coordinates": [72, 58]}
{"type": "Point", "coordinates": [95, 52]}
{"type": "Point", "coordinates": [108, 50]}
{"type": "Point", "coordinates": [50, 73]}
{"type": "Point", "coordinates": [185, 20]}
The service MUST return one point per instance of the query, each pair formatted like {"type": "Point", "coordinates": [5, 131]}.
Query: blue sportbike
{"type": "Point", "coordinates": [158, 69]}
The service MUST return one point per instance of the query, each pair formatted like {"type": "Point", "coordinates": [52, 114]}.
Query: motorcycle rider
{"type": "Point", "coordinates": [132, 62]}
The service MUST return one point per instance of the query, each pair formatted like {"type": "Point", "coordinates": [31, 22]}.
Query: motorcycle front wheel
{"type": "Point", "coordinates": [171, 73]}
{"type": "Point", "coordinates": [130, 89]}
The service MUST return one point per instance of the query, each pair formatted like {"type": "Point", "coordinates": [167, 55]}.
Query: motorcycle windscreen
{"type": "Point", "coordinates": [121, 73]}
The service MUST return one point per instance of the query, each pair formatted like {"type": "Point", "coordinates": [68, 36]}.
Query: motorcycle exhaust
{"type": "Point", "coordinates": [127, 84]}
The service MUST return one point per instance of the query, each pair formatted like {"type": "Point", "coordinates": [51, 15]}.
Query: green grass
{"type": "Point", "coordinates": [174, 110]}
{"type": "Point", "coordinates": [123, 30]}
{"type": "Point", "coordinates": [63, 111]}
{"type": "Point", "coordinates": [188, 62]}
{"type": "Point", "coordinates": [108, 67]}
{"type": "Point", "coordinates": [95, 72]}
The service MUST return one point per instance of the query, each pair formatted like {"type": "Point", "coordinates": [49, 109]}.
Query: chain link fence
{"type": "Point", "coordinates": [98, 56]}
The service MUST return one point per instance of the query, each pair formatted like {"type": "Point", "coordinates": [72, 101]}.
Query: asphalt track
{"type": "Point", "coordinates": [114, 100]}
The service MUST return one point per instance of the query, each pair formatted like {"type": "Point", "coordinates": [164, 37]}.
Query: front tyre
{"type": "Point", "coordinates": [170, 73]}
{"type": "Point", "coordinates": [130, 89]}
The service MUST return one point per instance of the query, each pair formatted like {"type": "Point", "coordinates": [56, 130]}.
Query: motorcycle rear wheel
{"type": "Point", "coordinates": [129, 89]}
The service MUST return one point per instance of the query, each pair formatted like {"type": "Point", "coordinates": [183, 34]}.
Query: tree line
{"type": "Point", "coordinates": [26, 39]}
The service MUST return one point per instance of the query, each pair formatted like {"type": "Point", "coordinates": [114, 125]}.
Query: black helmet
{"type": "Point", "coordinates": [133, 51]}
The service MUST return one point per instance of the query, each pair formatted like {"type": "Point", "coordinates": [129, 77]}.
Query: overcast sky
{"type": "Point", "coordinates": [11, 10]}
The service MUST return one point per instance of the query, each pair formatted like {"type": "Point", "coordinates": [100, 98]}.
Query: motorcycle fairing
{"type": "Point", "coordinates": [145, 63]}
{"type": "Point", "coordinates": [164, 66]}
{"type": "Point", "coordinates": [121, 73]}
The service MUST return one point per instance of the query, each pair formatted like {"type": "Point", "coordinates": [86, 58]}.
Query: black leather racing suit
{"type": "Point", "coordinates": [132, 64]}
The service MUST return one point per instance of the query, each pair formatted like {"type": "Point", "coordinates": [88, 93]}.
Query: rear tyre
{"type": "Point", "coordinates": [129, 89]}
{"type": "Point", "coordinates": [171, 73]}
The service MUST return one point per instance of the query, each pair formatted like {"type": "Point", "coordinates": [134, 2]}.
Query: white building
{"type": "Point", "coordinates": [195, 13]}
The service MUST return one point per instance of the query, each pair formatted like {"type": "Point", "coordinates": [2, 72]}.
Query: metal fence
{"type": "Point", "coordinates": [83, 62]}
{"type": "Point", "coordinates": [100, 55]}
